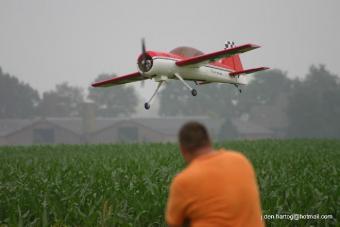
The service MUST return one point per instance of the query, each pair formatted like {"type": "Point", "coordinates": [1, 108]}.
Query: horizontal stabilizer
{"type": "Point", "coordinates": [248, 71]}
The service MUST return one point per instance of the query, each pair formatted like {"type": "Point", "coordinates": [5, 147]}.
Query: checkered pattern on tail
{"type": "Point", "coordinates": [229, 44]}
{"type": "Point", "coordinates": [233, 62]}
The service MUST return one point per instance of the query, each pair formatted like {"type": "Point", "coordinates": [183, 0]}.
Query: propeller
{"type": "Point", "coordinates": [144, 54]}
{"type": "Point", "coordinates": [143, 46]}
{"type": "Point", "coordinates": [143, 62]}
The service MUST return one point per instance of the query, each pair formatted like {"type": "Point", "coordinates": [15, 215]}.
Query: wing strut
{"type": "Point", "coordinates": [147, 105]}
{"type": "Point", "coordinates": [193, 91]}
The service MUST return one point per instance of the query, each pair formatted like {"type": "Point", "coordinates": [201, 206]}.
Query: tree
{"type": "Point", "coordinates": [64, 101]}
{"type": "Point", "coordinates": [215, 100]}
{"type": "Point", "coordinates": [220, 100]}
{"type": "Point", "coordinates": [17, 99]}
{"type": "Point", "coordinates": [113, 101]}
{"type": "Point", "coordinates": [264, 90]}
{"type": "Point", "coordinates": [314, 108]}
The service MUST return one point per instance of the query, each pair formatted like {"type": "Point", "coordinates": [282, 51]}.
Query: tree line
{"type": "Point", "coordinates": [308, 107]}
{"type": "Point", "coordinates": [20, 100]}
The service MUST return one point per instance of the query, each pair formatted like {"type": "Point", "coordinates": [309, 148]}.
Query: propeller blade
{"type": "Point", "coordinates": [144, 53]}
{"type": "Point", "coordinates": [143, 46]}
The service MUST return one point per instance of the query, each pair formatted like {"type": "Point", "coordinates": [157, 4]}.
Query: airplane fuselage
{"type": "Point", "coordinates": [164, 67]}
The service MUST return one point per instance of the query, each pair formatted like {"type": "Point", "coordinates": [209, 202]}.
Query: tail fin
{"type": "Point", "coordinates": [233, 62]}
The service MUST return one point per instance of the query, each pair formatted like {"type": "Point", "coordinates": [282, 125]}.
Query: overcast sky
{"type": "Point", "coordinates": [45, 42]}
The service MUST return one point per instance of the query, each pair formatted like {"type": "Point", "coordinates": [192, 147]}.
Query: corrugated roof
{"type": "Point", "coordinates": [168, 125]}
{"type": "Point", "coordinates": [8, 126]}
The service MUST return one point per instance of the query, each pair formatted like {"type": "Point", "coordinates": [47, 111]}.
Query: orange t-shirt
{"type": "Point", "coordinates": [216, 189]}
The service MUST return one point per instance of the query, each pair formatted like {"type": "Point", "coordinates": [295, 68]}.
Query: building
{"type": "Point", "coordinates": [102, 130]}
{"type": "Point", "coordinates": [42, 131]}
{"type": "Point", "coordinates": [114, 130]}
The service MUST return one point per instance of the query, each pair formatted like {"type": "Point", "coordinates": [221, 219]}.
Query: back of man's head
{"type": "Point", "coordinates": [193, 136]}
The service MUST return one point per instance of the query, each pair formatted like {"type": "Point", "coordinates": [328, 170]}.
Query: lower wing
{"type": "Point", "coordinates": [133, 77]}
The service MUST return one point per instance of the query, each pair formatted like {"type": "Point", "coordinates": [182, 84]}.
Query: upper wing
{"type": "Point", "coordinates": [133, 77]}
{"type": "Point", "coordinates": [247, 71]}
{"type": "Point", "coordinates": [215, 56]}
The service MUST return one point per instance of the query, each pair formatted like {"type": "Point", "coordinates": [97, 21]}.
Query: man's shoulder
{"type": "Point", "coordinates": [235, 155]}
{"type": "Point", "coordinates": [185, 177]}
{"type": "Point", "coordinates": [236, 158]}
{"type": "Point", "coordinates": [178, 182]}
{"type": "Point", "coordinates": [192, 171]}
{"type": "Point", "coordinates": [182, 177]}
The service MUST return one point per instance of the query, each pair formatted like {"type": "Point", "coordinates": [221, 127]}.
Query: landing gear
{"type": "Point", "coordinates": [239, 89]}
{"type": "Point", "coordinates": [193, 91]}
{"type": "Point", "coordinates": [147, 105]}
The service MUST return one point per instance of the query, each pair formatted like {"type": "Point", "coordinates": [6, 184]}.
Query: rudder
{"type": "Point", "coordinates": [233, 62]}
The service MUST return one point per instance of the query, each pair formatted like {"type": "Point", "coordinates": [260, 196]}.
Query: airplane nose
{"type": "Point", "coordinates": [145, 63]}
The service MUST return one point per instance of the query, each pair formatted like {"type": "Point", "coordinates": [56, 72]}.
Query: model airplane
{"type": "Point", "coordinates": [222, 66]}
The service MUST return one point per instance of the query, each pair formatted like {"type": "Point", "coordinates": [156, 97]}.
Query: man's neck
{"type": "Point", "coordinates": [202, 151]}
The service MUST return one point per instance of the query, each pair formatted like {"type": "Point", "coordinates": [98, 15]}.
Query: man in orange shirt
{"type": "Point", "coordinates": [217, 188]}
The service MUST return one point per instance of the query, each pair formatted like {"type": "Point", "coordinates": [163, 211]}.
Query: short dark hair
{"type": "Point", "coordinates": [193, 135]}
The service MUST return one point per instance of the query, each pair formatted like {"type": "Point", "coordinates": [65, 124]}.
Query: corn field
{"type": "Point", "coordinates": [127, 184]}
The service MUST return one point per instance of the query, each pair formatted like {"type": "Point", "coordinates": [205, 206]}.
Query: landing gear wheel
{"type": "Point", "coordinates": [240, 90]}
{"type": "Point", "coordinates": [147, 106]}
{"type": "Point", "coordinates": [193, 92]}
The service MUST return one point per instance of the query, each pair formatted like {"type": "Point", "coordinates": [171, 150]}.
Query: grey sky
{"type": "Point", "coordinates": [45, 42]}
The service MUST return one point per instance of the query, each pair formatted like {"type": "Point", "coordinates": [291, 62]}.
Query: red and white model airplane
{"type": "Point", "coordinates": [222, 66]}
